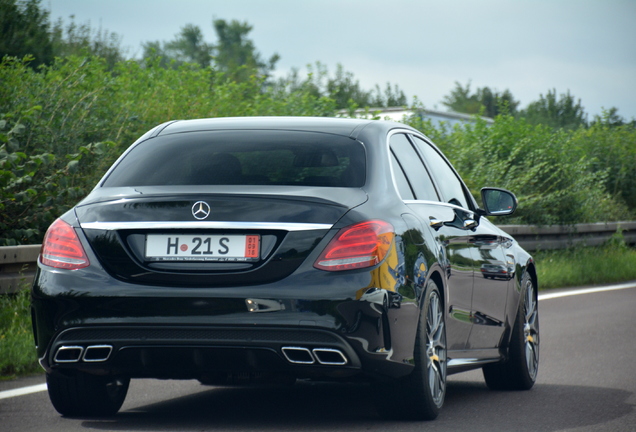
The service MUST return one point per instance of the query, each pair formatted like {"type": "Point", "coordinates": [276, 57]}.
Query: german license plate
{"type": "Point", "coordinates": [179, 247]}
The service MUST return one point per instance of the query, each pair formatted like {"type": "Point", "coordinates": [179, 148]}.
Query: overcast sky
{"type": "Point", "coordinates": [527, 46]}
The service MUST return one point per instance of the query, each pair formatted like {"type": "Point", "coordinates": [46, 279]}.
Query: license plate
{"type": "Point", "coordinates": [179, 247]}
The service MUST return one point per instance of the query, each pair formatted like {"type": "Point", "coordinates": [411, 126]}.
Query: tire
{"type": "Point", "coordinates": [519, 372]}
{"type": "Point", "coordinates": [84, 395]}
{"type": "Point", "coordinates": [420, 396]}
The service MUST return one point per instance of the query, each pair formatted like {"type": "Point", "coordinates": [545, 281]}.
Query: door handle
{"type": "Point", "coordinates": [436, 223]}
{"type": "Point", "coordinates": [470, 224]}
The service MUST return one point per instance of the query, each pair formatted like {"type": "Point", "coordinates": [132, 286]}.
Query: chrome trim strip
{"type": "Point", "coordinates": [285, 226]}
{"type": "Point", "coordinates": [469, 361]}
{"type": "Point", "coordinates": [440, 203]}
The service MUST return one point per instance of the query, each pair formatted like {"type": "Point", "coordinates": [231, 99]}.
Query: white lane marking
{"type": "Point", "coordinates": [42, 387]}
{"type": "Point", "coordinates": [22, 391]}
{"type": "Point", "coordinates": [586, 291]}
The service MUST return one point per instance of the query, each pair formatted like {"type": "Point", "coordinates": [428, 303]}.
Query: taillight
{"type": "Point", "coordinates": [364, 244]}
{"type": "Point", "coordinates": [62, 249]}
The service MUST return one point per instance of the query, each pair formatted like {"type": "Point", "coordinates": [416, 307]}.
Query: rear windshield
{"type": "Point", "coordinates": [243, 158]}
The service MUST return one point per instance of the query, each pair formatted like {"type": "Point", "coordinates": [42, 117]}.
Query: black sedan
{"type": "Point", "coordinates": [239, 250]}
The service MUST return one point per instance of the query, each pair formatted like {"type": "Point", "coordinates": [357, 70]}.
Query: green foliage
{"type": "Point", "coordinates": [187, 47]}
{"type": "Point", "coordinates": [342, 88]}
{"type": "Point", "coordinates": [562, 112]}
{"type": "Point", "coordinates": [611, 147]}
{"type": "Point", "coordinates": [24, 31]}
{"type": "Point", "coordinates": [82, 40]}
{"type": "Point", "coordinates": [16, 336]}
{"type": "Point", "coordinates": [552, 173]}
{"type": "Point", "coordinates": [611, 118]}
{"type": "Point", "coordinates": [236, 55]}
{"type": "Point", "coordinates": [61, 127]}
{"type": "Point", "coordinates": [36, 188]}
{"type": "Point", "coordinates": [484, 101]}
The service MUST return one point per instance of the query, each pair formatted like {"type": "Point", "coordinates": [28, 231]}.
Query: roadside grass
{"type": "Point", "coordinates": [584, 266]}
{"type": "Point", "coordinates": [17, 351]}
{"type": "Point", "coordinates": [580, 266]}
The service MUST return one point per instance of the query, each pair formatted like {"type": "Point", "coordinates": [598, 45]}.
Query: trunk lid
{"type": "Point", "coordinates": [191, 236]}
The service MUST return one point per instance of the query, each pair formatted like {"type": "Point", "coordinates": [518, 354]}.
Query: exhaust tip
{"type": "Point", "coordinates": [330, 356]}
{"type": "Point", "coordinates": [68, 354]}
{"type": "Point", "coordinates": [97, 353]}
{"type": "Point", "coordinates": [298, 355]}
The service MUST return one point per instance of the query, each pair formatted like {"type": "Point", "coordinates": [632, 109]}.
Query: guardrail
{"type": "Point", "coordinates": [534, 238]}
{"type": "Point", "coordinates": [17, 266]}
{"type": "Point", "coordinates": [18, 263]}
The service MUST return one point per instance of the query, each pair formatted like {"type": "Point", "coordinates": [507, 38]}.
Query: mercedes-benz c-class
{"type": "Point", "coordinates": [236, 250]}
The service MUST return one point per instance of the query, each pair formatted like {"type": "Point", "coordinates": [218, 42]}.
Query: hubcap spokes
{"type": "Point", "coordinates": [531, 331]}
{"type": "Point", "coordinates": [436, 349]}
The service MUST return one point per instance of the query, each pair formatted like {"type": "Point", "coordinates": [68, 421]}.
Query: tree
{"type": "Point", "coordinates": [611, 118]}
{"type": "Point", "coordinates": [24, 30]}
{"type": "Point", "coordinates": [236, 55]}
{"type": "Point", "coordinates": [342, 87]}
{"type": "Point", "coordinates": [83, 40]}
{"type": "Point", "coordinates": [497, 103]}
{"type": "Point", "coordinates": [461, 100]}
{"type": "Point", "coordinates": [187, 47]}
{"type": "Point", "coordinates": [562, 112]}
{"type": "Point", "coordinates": [484, 101]}
{"type": "Point", "coordinates": [345, 89]}
{"type": "Point", "coordinates": [392, 96]}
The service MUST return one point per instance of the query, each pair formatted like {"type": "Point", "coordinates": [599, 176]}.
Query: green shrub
{"type": "Point", "coordinates": [16, 337]}
{"type": "Point", "coordinates": [61, 126]}
{"type": "Point", "coordinates": [37, 187]}
{"type": "Point", "coordinates": [556, 180]}
{"type": "Point", "coordinates": [611, 149]}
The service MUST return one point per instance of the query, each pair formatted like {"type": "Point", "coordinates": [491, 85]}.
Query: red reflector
{"type": "Point", "coordinates": [361, 245]}
{"type": "Point", "coordinates": [62, 249]}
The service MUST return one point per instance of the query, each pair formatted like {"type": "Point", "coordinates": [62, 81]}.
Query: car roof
{"type": "Point", "coordinates": [338, 126]}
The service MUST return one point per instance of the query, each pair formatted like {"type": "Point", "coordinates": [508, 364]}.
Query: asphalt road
{"type": "Point", "coordinates": [586, 382]}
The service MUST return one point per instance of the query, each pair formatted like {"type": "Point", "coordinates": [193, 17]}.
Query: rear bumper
{"type": "Point", "coordinates": [197, 352]}
{"type": "Point", "coordinates": [158, 332]}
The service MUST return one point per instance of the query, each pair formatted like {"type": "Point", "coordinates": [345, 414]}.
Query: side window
{"type": "Point", "coordinates": [414, 169]}
{"type": "Point", "coordinates": [403, 186]}
{"type": "Point", "coordinates": [450, 186]}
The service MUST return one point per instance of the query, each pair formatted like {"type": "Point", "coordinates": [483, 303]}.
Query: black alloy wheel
{"type": "Point", "coordinates": [519, 372]}
{"type": "Point", "coordinates": [420, 396]}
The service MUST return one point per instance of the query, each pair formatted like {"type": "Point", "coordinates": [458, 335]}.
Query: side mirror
{"type": "Point", "coordinates": [498, 202]}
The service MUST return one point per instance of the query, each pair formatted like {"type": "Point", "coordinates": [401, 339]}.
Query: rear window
{"type": "Point", "coordinates": [243, 158]}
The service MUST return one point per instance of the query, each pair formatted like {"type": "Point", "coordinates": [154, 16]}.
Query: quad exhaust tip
{"type": "Point", "coordinates": [298, 355]}
{"type": "Point", "coordinates": [329, 356]}
{"type": "Point", "coordinates": [97, 353]}
{"type": "Point", "coordinates": [90, 354]}
{"type": "Point", "coordinates": [68, 354]}
{"type": "Point", "coordinates": [323, 356]}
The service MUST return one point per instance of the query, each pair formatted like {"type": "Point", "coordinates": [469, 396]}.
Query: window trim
{"type": "Point", "coordinates": [410, 133]}
{"type": "Point", "coordinates": [470, 200]}
{"type": "Point", "coordinates": [406, 133]}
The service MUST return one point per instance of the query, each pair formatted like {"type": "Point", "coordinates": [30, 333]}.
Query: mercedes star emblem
{"type": "Point", "coordinates": [200, 210]}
